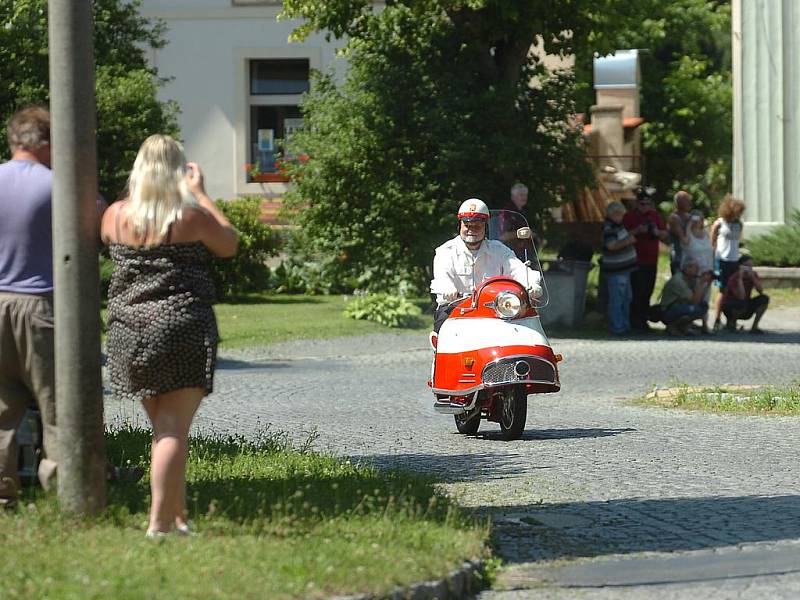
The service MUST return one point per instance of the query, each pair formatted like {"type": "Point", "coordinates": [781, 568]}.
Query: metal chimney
{"type": "Point", "coordinates": [617, 78]}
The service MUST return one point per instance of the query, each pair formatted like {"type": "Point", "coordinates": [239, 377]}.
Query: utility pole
{"type": "Point", "coordinates": [79, 388]}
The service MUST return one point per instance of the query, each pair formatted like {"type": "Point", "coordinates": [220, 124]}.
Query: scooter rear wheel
{"type": "Point", "coordinates": [468, 423]}
{"type": "Point", "coordinates": [513, 412]}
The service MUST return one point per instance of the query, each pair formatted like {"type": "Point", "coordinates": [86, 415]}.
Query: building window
{"type": "Point", "coordinates": [278, 76]}
{"type": "Point", "coordinates": [276, 87]}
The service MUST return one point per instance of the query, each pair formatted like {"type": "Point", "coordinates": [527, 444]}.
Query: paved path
{"type": "Point", "coordinates": [599, 499]}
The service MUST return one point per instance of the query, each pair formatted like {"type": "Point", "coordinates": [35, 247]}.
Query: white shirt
{"type": "Point", "coordinates": [728, 236]}
{"type": "Point", "coordinates": [457, 269]}
{"type": "Point", "coordinates": [699, 248]}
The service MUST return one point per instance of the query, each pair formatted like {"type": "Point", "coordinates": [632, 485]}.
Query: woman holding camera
{"type": "Point", "coordinates": [698, 249]}
{"type": "Point", "coordinates": [162, 333]}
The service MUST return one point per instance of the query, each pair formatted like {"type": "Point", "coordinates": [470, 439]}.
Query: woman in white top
{"type": "Point", "coordinates": [697, 248]}
{"type": "Point", "coordinates": [726, 233]}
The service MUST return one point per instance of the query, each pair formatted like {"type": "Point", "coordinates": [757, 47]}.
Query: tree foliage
{"type": "Point", "coordinates": [443, 101]}
{"type": "Point", "coordinates": [686, 94]}
{"type": "Point", "coordinates": [127, 108]}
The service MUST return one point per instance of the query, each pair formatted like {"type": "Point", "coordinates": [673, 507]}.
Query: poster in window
{"type": "Point", "coordinates": [266, 140]}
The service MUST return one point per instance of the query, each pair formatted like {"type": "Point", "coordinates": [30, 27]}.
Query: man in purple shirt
{"type": "Point", "coordinates": [26, 295]}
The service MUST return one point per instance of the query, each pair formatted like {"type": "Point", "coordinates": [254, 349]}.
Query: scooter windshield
{"type": "Point", "coordinates": [511, 228]}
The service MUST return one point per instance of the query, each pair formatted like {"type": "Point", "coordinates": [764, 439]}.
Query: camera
{"type": "Point", "coordinates": [651, 228]}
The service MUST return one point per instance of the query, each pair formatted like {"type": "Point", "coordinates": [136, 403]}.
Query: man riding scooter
{"type": "Point", "coordinates": [463, 262]}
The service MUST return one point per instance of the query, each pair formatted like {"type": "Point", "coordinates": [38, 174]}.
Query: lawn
{"type": "Point", "coordinates": [273, 522]}
{"type": "Point", "coordinates": [261, 319]}
{"type": "Point", "coordinates": [752, 400]}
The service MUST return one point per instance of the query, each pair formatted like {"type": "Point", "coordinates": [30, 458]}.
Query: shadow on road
{"type": "Point", "coordinates": [230, 364]}
{"type": "Point", "coordinates": [493, 461]}
{"type": "Point", "coordinates": [558, 434]}
{"type": "Point", "coordinates": [481, 466]}
{"type": "Point", "coordinates": [591, 529]}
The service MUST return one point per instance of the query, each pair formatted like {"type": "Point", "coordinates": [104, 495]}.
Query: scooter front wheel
{"type": "Point", "coordinates": [468, 423]}
{"type": "Point", "coordinates": [513, 412]}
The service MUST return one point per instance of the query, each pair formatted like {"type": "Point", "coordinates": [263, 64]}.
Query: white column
{"type": "Point", "coordinates": [766, 172]}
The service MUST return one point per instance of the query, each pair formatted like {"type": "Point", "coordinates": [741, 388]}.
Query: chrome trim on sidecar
{"type": "Point", "coordinates": [509, 361]}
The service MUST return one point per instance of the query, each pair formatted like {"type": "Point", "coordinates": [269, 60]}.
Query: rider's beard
{"type": "Point", "coordinates": [472, 240]}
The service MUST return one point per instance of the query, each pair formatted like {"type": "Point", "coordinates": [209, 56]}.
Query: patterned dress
{"type": "Point", "coordinates": [162, 333]}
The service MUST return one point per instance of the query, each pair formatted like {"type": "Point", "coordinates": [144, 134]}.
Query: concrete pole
{"type": "Point", "coordinates": [79, 391]}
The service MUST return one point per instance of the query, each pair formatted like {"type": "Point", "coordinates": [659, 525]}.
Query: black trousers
{"type": "Point", "coordinates": [643, 280]}
{"type": "Point", "coordinates": [440, 315]}
{"type": "Point", "coordinates": [734, 308]}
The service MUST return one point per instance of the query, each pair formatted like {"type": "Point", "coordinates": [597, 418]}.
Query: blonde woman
{"type": "Point", "coordinates": [726, 233]}
{"type": "Point", "coordinates": [162, 334]}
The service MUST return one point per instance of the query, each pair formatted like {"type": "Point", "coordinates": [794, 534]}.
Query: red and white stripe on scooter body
{"type": "Point", "coordinates": [476, 349]}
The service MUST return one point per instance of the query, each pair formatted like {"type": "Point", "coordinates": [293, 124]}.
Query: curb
{"type": "Point", "coordinates": [458, 585]}
{"type": "Point", "coordinates": [665, 393]}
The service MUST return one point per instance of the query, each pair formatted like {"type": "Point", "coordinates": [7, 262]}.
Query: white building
{"type": "Point", "coordinates": [238, 82]}
{"type": "Point", "coordinates": [766, 110]}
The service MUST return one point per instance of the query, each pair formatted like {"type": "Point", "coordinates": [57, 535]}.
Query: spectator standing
{"type": "Point", "coordinates": [726, 233]}
{"type": "Point", "coordinates": [698, 248]}
{"type": "Point", "coordinates": [507, 223]}
{"type": "Point", "coordinates": [162, 333]}
{"type": "Point", "coordinates": [27, 370]}
{"type": "Point", "coordinates": [736, 298]}
{"type": "Point", "coordinates": [646, 225]}
{"type": "Point", "coordinates": [518, 198]}
{"type": "Point", "coordinates": [617, 263]}
{"type": "Point", "coordinates": [677, 224]}
{"type": "Point", "coordinates": [682, 297]}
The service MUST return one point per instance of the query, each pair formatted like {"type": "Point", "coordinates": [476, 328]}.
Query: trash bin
{"type": "Point", "coordinates": [566, 287]}
{"type": "Point", "coordinates": [29, 442]}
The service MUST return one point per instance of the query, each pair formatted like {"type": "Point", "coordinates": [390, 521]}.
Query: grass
{"type": "Point", "coordinates": [274, 522]}
{"type": "Point", "coordinates": [762, 400]}
{"type": "Point", "coordinates": [260, 320]}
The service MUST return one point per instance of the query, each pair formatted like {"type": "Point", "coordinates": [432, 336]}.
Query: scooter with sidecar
{"type": "Point", "coordinates": [492, 352]}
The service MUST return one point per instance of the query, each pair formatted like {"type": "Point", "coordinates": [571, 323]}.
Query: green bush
{"type": "Point", "coordinates": [106, 271]}
{"type": "Point", "coordinates": [780, 247]}
{"type": "Point", "coordinates": [392, 311]}
{"type": "Point", "coordinates": [247, 271]}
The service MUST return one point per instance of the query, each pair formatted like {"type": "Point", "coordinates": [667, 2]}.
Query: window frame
{"type": "Point", "coordinates": [271, 184]}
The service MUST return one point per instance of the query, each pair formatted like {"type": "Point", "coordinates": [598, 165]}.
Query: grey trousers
{"type": "Point", "coordinates": [27, 376]}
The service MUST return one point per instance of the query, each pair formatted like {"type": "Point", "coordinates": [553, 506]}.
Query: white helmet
{"type": "Point", "coordinates": [473, 209]}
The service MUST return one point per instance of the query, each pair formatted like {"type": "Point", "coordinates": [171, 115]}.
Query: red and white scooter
{"type": "Point", "coordinates": [492, 352]}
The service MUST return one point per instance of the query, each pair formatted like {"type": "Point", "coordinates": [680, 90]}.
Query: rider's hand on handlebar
{"type": "Point", "coordinates": [450, 296]}
{"type": "Point", "coordinates": [534, 292]}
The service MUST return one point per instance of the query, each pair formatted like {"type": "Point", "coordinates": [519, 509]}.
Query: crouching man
{"type": "Point", "coordinates": [736, 297]}
{"type": "Point", "coordinates": [682, 300]}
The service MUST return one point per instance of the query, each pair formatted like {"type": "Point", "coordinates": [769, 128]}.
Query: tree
{"type": "Point", "coordinates": [126, 86]}
{"type": "Point", "coordinates": [686, 93]}
{"type": "Point", "coordinates": [443, 100]}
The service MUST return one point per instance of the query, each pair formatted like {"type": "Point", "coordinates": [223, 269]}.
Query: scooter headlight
{"type": "Point", "coordinates": [507, 305]}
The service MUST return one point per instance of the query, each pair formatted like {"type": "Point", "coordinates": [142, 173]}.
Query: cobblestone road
{"type": "Point", "coordinates": [599, 499]}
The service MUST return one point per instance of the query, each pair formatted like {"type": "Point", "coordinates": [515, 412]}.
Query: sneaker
{"type": "Point", "coordinates": [8, 504]}
{"type": "Point", "coordinates": [675, 330]}
{"type": "Point", "coordinates": [717, 326]}
{"type": "Point", "coordinates": [154, 534]}
{"type": "Point", "coordinates": [757, 331]}
{"type": "Point", "coordinates": [185, 529]}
